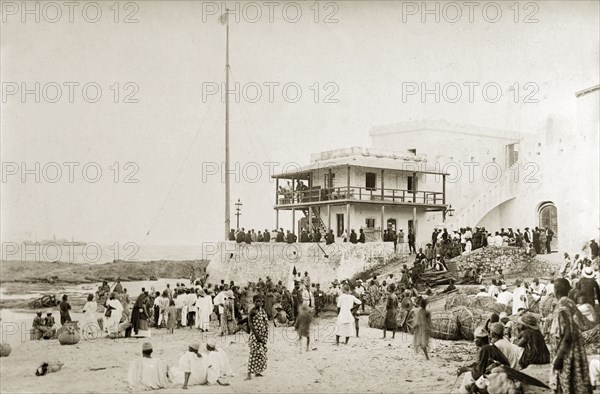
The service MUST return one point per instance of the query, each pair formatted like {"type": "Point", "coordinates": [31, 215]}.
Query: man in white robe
{"type": "Point", "coordinates": [147, 373]}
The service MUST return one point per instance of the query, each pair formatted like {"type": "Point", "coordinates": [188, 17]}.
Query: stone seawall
{"type": "Point", "coordinates": [243, 263]}
{"type": "Point", "coordinates": [510, 259]}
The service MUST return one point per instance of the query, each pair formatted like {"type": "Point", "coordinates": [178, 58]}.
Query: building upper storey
{"type": "Point", "coordinates": [361, 175]}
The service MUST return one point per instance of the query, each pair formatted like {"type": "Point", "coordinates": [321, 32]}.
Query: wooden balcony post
{"type": "Point", "coordinates": [328, 217]}
{"type": "Point", "coordinates": [414, 187]}
{"type": "Point", "coordinates": [293, 221]}
{"type": "Point", "coordinates": [444, 189]}
{"type": "Point", "coordinates": [382, 219]}
{"type": "Point", "coordinates": [415, 222]}
{"type": "Point", "coordinates": [277, 219]}
{"type": "Point", "coordinates": [348, 221]}
{"type": "Point", "coordinates": [382, 187]}
{"type": "Point", "coordinates": [276, 191]}
{"type": "Point", "coordinates": [293, 191]}
{"type": "Point", "coordinates": [309, 218]}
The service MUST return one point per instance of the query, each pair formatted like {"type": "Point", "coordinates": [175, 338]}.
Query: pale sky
{"type": "Point", "coordinates": [170, 54]}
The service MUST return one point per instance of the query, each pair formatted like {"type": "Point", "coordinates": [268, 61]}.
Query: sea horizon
{"type": "Point", "coordinates": [94, 253]}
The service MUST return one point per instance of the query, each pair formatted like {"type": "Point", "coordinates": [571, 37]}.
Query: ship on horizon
{"type": "Point", "coordinates": [54, 241]}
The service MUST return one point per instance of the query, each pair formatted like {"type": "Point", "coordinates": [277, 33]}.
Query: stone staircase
{"type": "Point", "coordinates": [492, 195]}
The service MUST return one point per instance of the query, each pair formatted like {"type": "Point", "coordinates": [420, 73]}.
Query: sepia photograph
{"type": "Point", "coordinates": [300, 196]}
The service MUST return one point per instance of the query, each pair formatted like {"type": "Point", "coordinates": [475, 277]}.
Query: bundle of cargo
{"type": "Point", "coordinates": [438, 301]}
{"type": "Point", "coordinates": [406, 320]}
{"type": "Point", "coordinates": [377, 318]}
{"type": "Point", "coordinates": [487, 304]}
{"type": "Point", "coordinates": [444, 325]}
{"type": "Point", "coordinates": [456, 300]}
{"type": "Point", "coordinates": [469, 319]}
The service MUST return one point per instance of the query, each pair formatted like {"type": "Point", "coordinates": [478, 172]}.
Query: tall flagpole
{"type": "Point", "coordinates": [227, 213]}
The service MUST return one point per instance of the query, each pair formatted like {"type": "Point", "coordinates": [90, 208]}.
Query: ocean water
{"type": "Point", "coordinates": [95, 253]}
{"type": "Point", "coordinates": [16, 323]}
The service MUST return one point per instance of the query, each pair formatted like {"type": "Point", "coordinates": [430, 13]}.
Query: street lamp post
{"type": "Point", "coordinates": [238, 213]}
{"type": "Point", "coordinates": [448, 211]}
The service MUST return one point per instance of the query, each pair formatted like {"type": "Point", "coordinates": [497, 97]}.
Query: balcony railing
{"type": "Point", "coordinates": [356, 193]}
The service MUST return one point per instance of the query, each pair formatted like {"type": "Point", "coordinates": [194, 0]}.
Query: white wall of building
{"type": "Point", "coordinates": [556, 164]}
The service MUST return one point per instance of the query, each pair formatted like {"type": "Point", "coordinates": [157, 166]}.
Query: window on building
{"type": "Point", "coordinates": [370, 223]}
{"type": "Point", "coordinates": [512, 154]}
{"type": "Point", "coordinates": [370, 180]}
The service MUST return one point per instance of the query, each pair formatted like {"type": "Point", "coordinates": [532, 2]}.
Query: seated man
{"type": "Point", "coordinates": [218, 364]}
{"type": "Point", "coordinates": [192, 368]}
{"type": "Point", "coordinates": [450, 287]}
{"type": "Point", "coordinates": [49, 320]}
{"type": "Point", "coordinates": [511, 351]}
{"type": "Point", "coordinates": [39, 324]}
{"type": "Point", "coordinates": [486, 355]}
{"type": "Point", "coordinates": [147, 372]}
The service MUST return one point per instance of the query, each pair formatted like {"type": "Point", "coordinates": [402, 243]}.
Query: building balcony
{"type": "Point", "coordinates": [356, 194]}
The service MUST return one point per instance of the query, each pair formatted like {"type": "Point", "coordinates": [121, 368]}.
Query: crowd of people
{"type": "Point", "coordinates": [516, 342]}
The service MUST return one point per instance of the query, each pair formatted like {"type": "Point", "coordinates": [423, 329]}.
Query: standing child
{"type": "Point", "coordinates": [422, 330]}
{"type": "Point", "coordinates": [303, 325]}
{"type": "Point", "coordinates": [391, 312]}
{"type": "Point", "coordinates": [171, 315]}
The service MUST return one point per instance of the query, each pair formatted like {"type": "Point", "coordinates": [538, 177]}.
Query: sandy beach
{"type": "Point", "coordinates": [366, 364]}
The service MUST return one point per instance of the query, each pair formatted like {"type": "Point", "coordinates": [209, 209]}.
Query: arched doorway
{"type": "Point", "coordinates": [391, 224]}
{"type": "Point", "coordinates": [548, 218]}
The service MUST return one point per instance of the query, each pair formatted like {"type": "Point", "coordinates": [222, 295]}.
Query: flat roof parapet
{"type": "Point", "coordinates": [365, 152]}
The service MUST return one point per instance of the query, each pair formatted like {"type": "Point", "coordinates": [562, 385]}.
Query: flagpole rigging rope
{"type": "Point", "coordinates": [177, 175]}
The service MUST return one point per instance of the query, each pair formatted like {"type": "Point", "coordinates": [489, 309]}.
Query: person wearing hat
{"type": "Point", "coordinates": [147, 373]}
{"type": "Point", "coordinates": [482, 292]}
{"type": "Point", "coordinates": [587, 287]}
{"type": "Point", "coordinates": [512, 352]}
{"type": "Point", "coordinates": [318, 296]}
{"type": "Point", "coordinates": [532, 341]}
{"type": "Point", "coordinates": [192, 368]}
{"type": "Point", "coordinates": [487, 354]}
{"type": "Point", "coordinates": [218, 364]}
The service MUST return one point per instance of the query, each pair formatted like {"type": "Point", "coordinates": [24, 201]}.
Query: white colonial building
{"type": "Point", "coordinates": [369, 189]}
{"type": "Point", "coordinates": [502, 178]}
